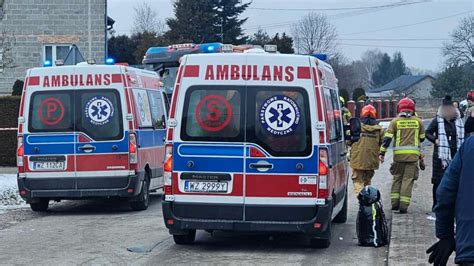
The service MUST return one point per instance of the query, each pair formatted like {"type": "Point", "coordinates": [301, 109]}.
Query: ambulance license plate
{"type": "Point", "coordinates": [205, 186]}
{"type": "Point", "coordinates": [48, 165]}
{"type": "Point", "coordinates": [45, 163]}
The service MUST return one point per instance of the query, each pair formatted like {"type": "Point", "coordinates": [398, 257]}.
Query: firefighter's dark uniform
{"type": "Point", "coordinates": [408, 132]}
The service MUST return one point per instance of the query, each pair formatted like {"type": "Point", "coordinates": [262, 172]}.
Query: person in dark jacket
{"type": "Point", "coordinates": [469, 126]}
{"type": "Point", "coordinates": [455, 194]}
{"type": "Point", "coordinates": [446, 132]}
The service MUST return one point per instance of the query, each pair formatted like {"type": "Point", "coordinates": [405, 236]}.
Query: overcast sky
{"type": "Point", "coordinates": [426, 25]}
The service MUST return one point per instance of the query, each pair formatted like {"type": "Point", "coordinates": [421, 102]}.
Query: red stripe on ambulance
{"type": "Point", "coordinates": [191, 71]}
{"type": "Point", "coordinates": [34, 81]}
{"type": "Point", "coordinates": [303, 73]}
{"type": "Point", "coordinates": [277, 186]}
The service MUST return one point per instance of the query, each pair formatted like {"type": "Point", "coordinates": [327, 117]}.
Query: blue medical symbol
{"type": "Point", "coordinates": [279, 114]}
{"type": "Point", "coordinates": [99, 110]}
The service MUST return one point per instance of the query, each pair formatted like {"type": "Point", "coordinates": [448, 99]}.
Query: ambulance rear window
{"type": "Point", "coordinates": [99, 114]}
{"type": "Point", "coordinates": [51, 111]}
{"type": "Point", "coordinates": [278, 120]}
{"type": "Point", "coordinates": [213, 114]}
{"type": "Point", "coordinates": [96, 113]}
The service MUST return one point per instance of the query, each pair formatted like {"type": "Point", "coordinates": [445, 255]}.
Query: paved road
{"type": "Point", "coordinates": [103, 232]}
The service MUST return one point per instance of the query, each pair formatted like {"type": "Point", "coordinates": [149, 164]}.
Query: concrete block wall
{"type": "Point", "coordinates": [38, 22]}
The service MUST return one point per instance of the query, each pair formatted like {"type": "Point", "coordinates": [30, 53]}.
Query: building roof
{"type": "Point", "coordinates": [401, 83]}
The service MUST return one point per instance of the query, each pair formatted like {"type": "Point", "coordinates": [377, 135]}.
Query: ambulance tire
{"type": "Point", "coordinates": [341, 217]}
{"type": "Point", "coordinates": [40, 206]}
{"type": "Point", "coordinates": [186, 239]}
{"type": "Point", "coordinates": [323, 242]}
{"type": "Point", "coordinates": [143, 199]}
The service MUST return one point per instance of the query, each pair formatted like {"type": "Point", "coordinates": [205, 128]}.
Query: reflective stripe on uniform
{"type": "Point", "coordinates": [388, 135]}
{"type": "Point", "coordinates": [406, 152]}
{"type": "Point", "coordinates": [422, 136]}
{"type": "Point", "coordinates": [383, 149]}
{"type": "Point", "coordinates": [395, 195]}
{"type": "Point", "coordinates": [405, 199]}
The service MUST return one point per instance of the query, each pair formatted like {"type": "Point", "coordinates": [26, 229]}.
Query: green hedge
{"type": "Point", "coordinates": [9, 106]}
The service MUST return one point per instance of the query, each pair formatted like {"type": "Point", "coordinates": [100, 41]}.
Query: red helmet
{"type": "Point", "coordinates": [470, 95]}
{"type": "Point", "coordinates": [368, 111]}
{"type": "Point", "coordinates": [406, 104]}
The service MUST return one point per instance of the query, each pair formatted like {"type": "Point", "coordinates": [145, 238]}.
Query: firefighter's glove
{"type": "Point", "coordinates": [441, 251]}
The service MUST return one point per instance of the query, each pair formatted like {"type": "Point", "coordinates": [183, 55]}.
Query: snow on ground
{"type": "Point", "coordinates": [9, 196]}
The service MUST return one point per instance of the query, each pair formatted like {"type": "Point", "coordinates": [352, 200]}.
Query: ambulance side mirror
{"type": "Point", "coordinates": [355, 129]}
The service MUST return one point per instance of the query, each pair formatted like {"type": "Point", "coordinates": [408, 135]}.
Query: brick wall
{"type": "Point", "coordinates": [38, 22]}
{"type": "Point", "coordinates": [8, 119]}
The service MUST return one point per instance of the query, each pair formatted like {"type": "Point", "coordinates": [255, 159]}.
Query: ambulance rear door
{"type": "Point", "coordinates": [281, 164]}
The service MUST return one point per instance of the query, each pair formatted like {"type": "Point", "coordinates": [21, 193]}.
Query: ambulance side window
{"type": "Point", "coordinates": [157, 111]}
{"type": "Point", "coordinates": [333, 114]}
{"type": "Point", "coordinates": [337, 114]}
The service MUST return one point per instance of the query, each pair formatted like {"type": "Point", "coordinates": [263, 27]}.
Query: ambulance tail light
{"type": "Point", "coordinates": [20, 152]}
{"type": "Point", "coordinates": [132, 151]}
{"type": "Point", "coordinates": [168, 169]}
{"type": "Point", "coordinates": [323, 174]}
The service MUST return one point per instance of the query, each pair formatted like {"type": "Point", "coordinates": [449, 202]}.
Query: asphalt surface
{"type": "Point", "coordinates": [108, 232]}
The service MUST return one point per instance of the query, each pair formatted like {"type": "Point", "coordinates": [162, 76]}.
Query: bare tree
{"type": "Point", "coordinates": [371, 60]}
{"type": "Point", "coordinates": [314, 34]}
{"type": "Point", "coordinates": [461, 48]}
{"type": "Point", "coordinates": [146, 20]}
{"type": "Point", "coordinates": [7, 42]}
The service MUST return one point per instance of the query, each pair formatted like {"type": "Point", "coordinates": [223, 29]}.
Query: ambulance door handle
{"type": "Point", "coordinates": [261, 166]}
{"type": "Point", "coordinates": [87, 148]}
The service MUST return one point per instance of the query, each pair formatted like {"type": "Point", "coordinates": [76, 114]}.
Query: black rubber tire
{"type": "Point", "coordinates": [323, 242]}
{"type": "Point", "coordinates": [143, 199]}
{"type": "Point", "coordinates": [341, 217]}
{"type": "Point", "coordinates": [186, 239]}
{"type": "Point", "coordinates": [40, 206]}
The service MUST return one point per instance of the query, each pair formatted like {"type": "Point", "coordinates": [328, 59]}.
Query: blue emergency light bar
{"type": "Point", "coordinates": [182, 49]}
{"type": "Point", "coordinates": [109, 61]}
{"type": "Point", "coordinates": [47, 63]}
{"type": "Point", "coordinates": [322, 57]}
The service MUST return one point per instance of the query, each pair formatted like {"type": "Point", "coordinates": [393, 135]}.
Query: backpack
{"type": "Point", "coordinates": [372, 229]}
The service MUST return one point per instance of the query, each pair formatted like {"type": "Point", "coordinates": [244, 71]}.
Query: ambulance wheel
{"type": "Point", "coordinates": [186, 239]}
{"type": "Point", "coordinates": [341, 217]}
{"type": "Point", "coordinates": [324, 241]}
{"type": "Point", "coordinates": [40, 206]}
{"type": "Point", "coordinates": [143, 199]}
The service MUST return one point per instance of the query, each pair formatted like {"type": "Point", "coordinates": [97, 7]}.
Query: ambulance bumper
{"type": "Point", "coordinates": [316, 225]}
{"type": "Point", "coordinates": [79, 188]}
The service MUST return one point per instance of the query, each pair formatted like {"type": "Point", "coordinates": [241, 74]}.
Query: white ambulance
{"type": "Point", "coordinates": [255, 143]}
{"type": "Point", "coordinates": [90, 131]}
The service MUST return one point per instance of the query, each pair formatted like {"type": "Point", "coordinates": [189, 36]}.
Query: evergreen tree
{"type": "Point", "coordinates": [194, 21]}
{"type": "Point", "coordinates": [143, 41]}
{"type": "Point", "coordinates": [228, 24]}
{"type": "Point", "coordinates": [455, 81]}
{"type": "Point", "coordinates": [260, 37]}
{"type": "Point", "coordinates": [382, 75]}
{"type": "Point", "coordinates": [284, 43]}
{"type": "Point", "coordinates": [121, 48]}
{"type": "Point", "coordinates": [398, 66]}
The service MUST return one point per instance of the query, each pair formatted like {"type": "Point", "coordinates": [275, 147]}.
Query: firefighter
{"type": "Point", "coordinates": [364, 152]}
{"type": "Point", "coordinates": [408, 132]}
{"type": "Point", "coordinates": [346, 114]}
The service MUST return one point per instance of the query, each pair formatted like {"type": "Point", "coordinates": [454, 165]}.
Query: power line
{"type": "Point", "coordinates": [390, 46]}
{"type": "Point", "coordinates": [338, 8]}
{"type": "Point", "coordinates": [409, 25]}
